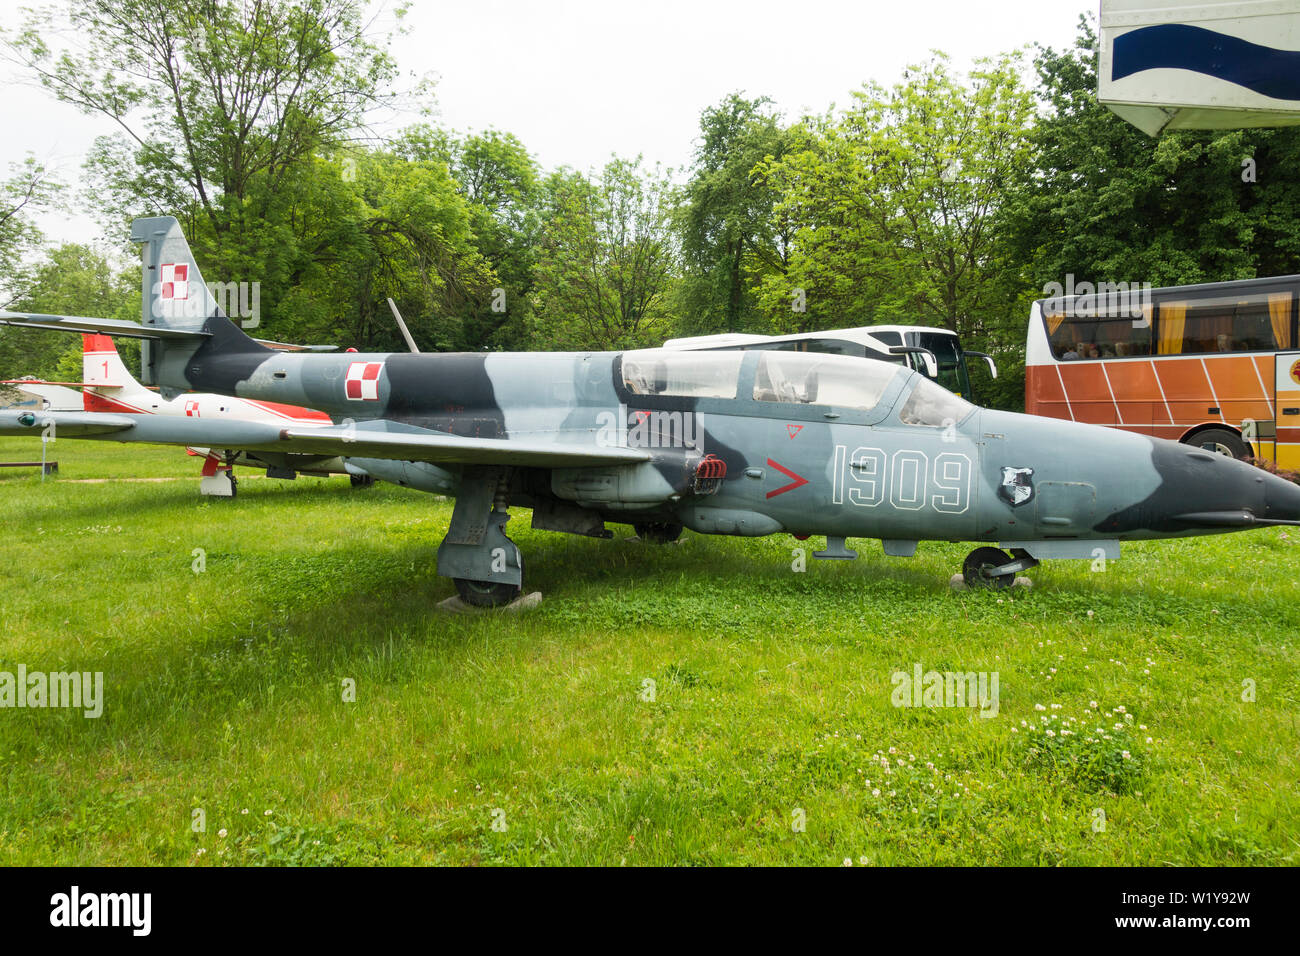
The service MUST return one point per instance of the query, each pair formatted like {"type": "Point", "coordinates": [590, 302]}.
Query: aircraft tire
{"type": "Point", "coordinates": [489, 593]}
{"type": "Point", "coordinates": [362, 481]}
{"type": "Point", "coordinates": [973, 569]}
{"type": "Point", "coordinates": [486, 593]}
{"type": "Point", "coordinates": [658, 532]}
{"type": "Point", "coordinates": [1225, 442]}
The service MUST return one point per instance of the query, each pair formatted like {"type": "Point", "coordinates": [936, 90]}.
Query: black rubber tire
{"type": "Point", "coordinates": [977, 561]}
{"type": "Point", "coordinates": [1228, 442]}
{"type": "Point", "coordinates": [362, 481]}
{"type": "Point", "coordinates": [489, 593]}
{"type": "Point", "coordinates": [658, 532]}
{"type": "Point", "coordinates": [486, 593]}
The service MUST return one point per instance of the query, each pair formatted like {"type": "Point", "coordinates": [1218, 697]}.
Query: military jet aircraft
{"type": "Point", "coordinates": [723, 442]}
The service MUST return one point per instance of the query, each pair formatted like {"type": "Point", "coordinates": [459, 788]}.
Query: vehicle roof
{"type": "Point", "coordinates": [1227, 286]}
{"type": "Point", "coordinates": [863, 335]}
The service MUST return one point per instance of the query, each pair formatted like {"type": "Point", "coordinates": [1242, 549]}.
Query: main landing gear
{"type": "Point", "coordinates": [994, 568]}
{"type": "Point", "coordinates": [658, 532]}
{"type": "Point", "coordinates": [484, 564]}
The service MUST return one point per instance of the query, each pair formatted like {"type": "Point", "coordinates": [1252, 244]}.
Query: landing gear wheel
{"type": "Point", "coordinates": [489, 593]}
{"type": "Point", "coordinates": [975, 569]}
{"type": "Point", "coordinates": [1221, 441]}
{"type": "Point", "coordinates": [362, 481]}
{"type": "Point", "coordinates": [658, 532]}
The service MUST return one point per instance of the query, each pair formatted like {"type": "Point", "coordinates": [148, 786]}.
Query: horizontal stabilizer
{"type": "Point", "coordinates": [84, 325]}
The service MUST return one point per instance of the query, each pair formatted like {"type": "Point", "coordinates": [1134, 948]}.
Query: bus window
{"type": "Point", "coordinates": [807, 378]}
{"type": "Point", "coordinates": [1260, 322]}
{"type": "Point", "coordinates": [680, 373]}
{"type": "Point", "coordinates": [948, 355]}
{"type": "Point", "coordinates": [1077, 333]}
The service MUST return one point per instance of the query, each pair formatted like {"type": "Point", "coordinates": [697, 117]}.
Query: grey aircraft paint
{"type": "Point", "coordinates": [801, 443]}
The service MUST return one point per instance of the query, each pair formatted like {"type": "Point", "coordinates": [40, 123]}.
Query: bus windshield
{"type": "Point", "coordinates": [952, 363]}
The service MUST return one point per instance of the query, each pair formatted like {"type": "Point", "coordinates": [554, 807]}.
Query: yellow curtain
{"type": "Point", "coordinates": [1054, 320]}
{"type": "Point", "coordinates": [1279, 310]}
{"type": "Point", "coordinates": [1173, 317]}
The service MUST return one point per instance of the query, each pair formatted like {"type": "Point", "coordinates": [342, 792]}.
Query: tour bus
{"type": "Point", "coordinates": [936, 353]}
{"type": "Point", "coordinates": [1212, 365]}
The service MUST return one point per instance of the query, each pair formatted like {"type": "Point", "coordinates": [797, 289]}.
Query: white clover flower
{"type": "Point", "coordinates": [222, 833]}
{"type": "Point", "coordinates": [1039, 707]}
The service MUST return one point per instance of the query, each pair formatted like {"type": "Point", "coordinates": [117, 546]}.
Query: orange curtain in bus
{"type": "Point", "coordinates": [1173, 317]}
{"type": "Point", "coordinates": [1054, 320]}
{"type": "Point", "coordinates": [1279, 311]}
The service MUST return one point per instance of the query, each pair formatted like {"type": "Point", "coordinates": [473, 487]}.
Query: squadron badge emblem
{"type": "Point", "coordinates": [1017, 485]}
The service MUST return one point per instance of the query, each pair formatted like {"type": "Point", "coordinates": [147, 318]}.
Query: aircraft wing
{"type": "Point", "coordinates": [368, 440]}
{"type": "Point", "coordinates": [73, 424]}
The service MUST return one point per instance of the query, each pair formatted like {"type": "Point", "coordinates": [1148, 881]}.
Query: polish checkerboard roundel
{"type": "Point", "coordinates": [175, 280]}
{"type": "Point", "coordinates": [363, 381]}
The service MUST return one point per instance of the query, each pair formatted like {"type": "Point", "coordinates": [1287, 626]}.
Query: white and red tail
{"type": "Point", "coordinates": [109, 387]}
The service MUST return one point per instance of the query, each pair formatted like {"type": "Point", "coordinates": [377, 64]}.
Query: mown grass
{"type": "Point", "coordinates": [771, 694]}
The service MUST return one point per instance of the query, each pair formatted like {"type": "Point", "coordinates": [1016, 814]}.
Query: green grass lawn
{"type": "Point", "coordinates": [532, 738]}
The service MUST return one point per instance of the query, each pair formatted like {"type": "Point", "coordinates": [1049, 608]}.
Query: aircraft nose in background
{"type": "Point", "coordinates": [1282, 499]}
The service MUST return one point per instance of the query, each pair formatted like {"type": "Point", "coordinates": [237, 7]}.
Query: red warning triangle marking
{"type": "Point", "coordinates": [794, 429]}
{"type": "Point", "coordinates": [798, 481]}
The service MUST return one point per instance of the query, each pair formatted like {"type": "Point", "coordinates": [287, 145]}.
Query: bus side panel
{"type": "Point", "coordinates": [1090, 396]}
{"type": "Point", "coordinates": [1241, 391]}
{"type": "Point", "coordinates": [1288, 410]}
{"type": "Point", "coordinates": [1043, 392]}
{"type": "Point", "coordinates": [1137, 393]}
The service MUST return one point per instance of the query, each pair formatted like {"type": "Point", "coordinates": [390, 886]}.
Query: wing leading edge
{"type": "Point", "coordinates": [365, 441]}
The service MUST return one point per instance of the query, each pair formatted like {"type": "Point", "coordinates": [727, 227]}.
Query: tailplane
{"type": "Point", "coordinates": [108, 385]}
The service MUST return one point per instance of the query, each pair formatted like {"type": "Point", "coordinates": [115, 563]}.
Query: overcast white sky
{"type": "Point", "coordinates": [577, 80]}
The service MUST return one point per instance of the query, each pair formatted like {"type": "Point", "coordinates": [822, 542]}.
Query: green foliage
{"type": "Point", "coordinates": [893, 203]}
{"type": "Point", "coordinates": [1105, 202]}
{"type": "Point", "coordinates": [730, 232]}
{"type": "Point", "coordinates": [606, 260]}
{"type": "Point", "coordinates": [70, 279]}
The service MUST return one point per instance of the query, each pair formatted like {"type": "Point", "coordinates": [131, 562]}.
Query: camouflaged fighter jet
{"type": "Point", "coordinates": [723, 442]}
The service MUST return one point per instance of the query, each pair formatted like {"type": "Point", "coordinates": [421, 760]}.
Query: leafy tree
{"type": "Point", "coordinates": [730, 234]}
{"type": "Point", "coordinates": [1103, 201]}
{"type": "Point", "coordinates": [380, 225]}
{"type": "Point", "coordinates": [501, 184]}
{"type": "Point", "coordinates": [606, 261]}
{"type": "Point", "coordinates": [70, 279]}
{"type": "Point", "coordinates": [895, 199]}
{"type": "Point", "coordinates": [223, 109]}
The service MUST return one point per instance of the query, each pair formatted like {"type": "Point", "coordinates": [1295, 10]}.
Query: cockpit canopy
{"type": "Point", "coordinates": [795, 378]}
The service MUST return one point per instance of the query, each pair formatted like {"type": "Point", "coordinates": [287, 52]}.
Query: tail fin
{"type": "Point", "coordinates": [173, 292]}
{"type": "Point", "coordinates": [109, 386]}
{"type": "Point", "coordinates": [101, 366]}
{"type": "Point", "coordinates": [174, 296]}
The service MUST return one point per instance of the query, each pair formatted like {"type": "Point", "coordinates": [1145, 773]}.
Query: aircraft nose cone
{"type": "Point", "coordinates": [1282, 499]}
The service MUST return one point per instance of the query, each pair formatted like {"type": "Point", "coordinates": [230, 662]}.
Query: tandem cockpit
{"type": "Point", "coordinates": [813, 385]}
